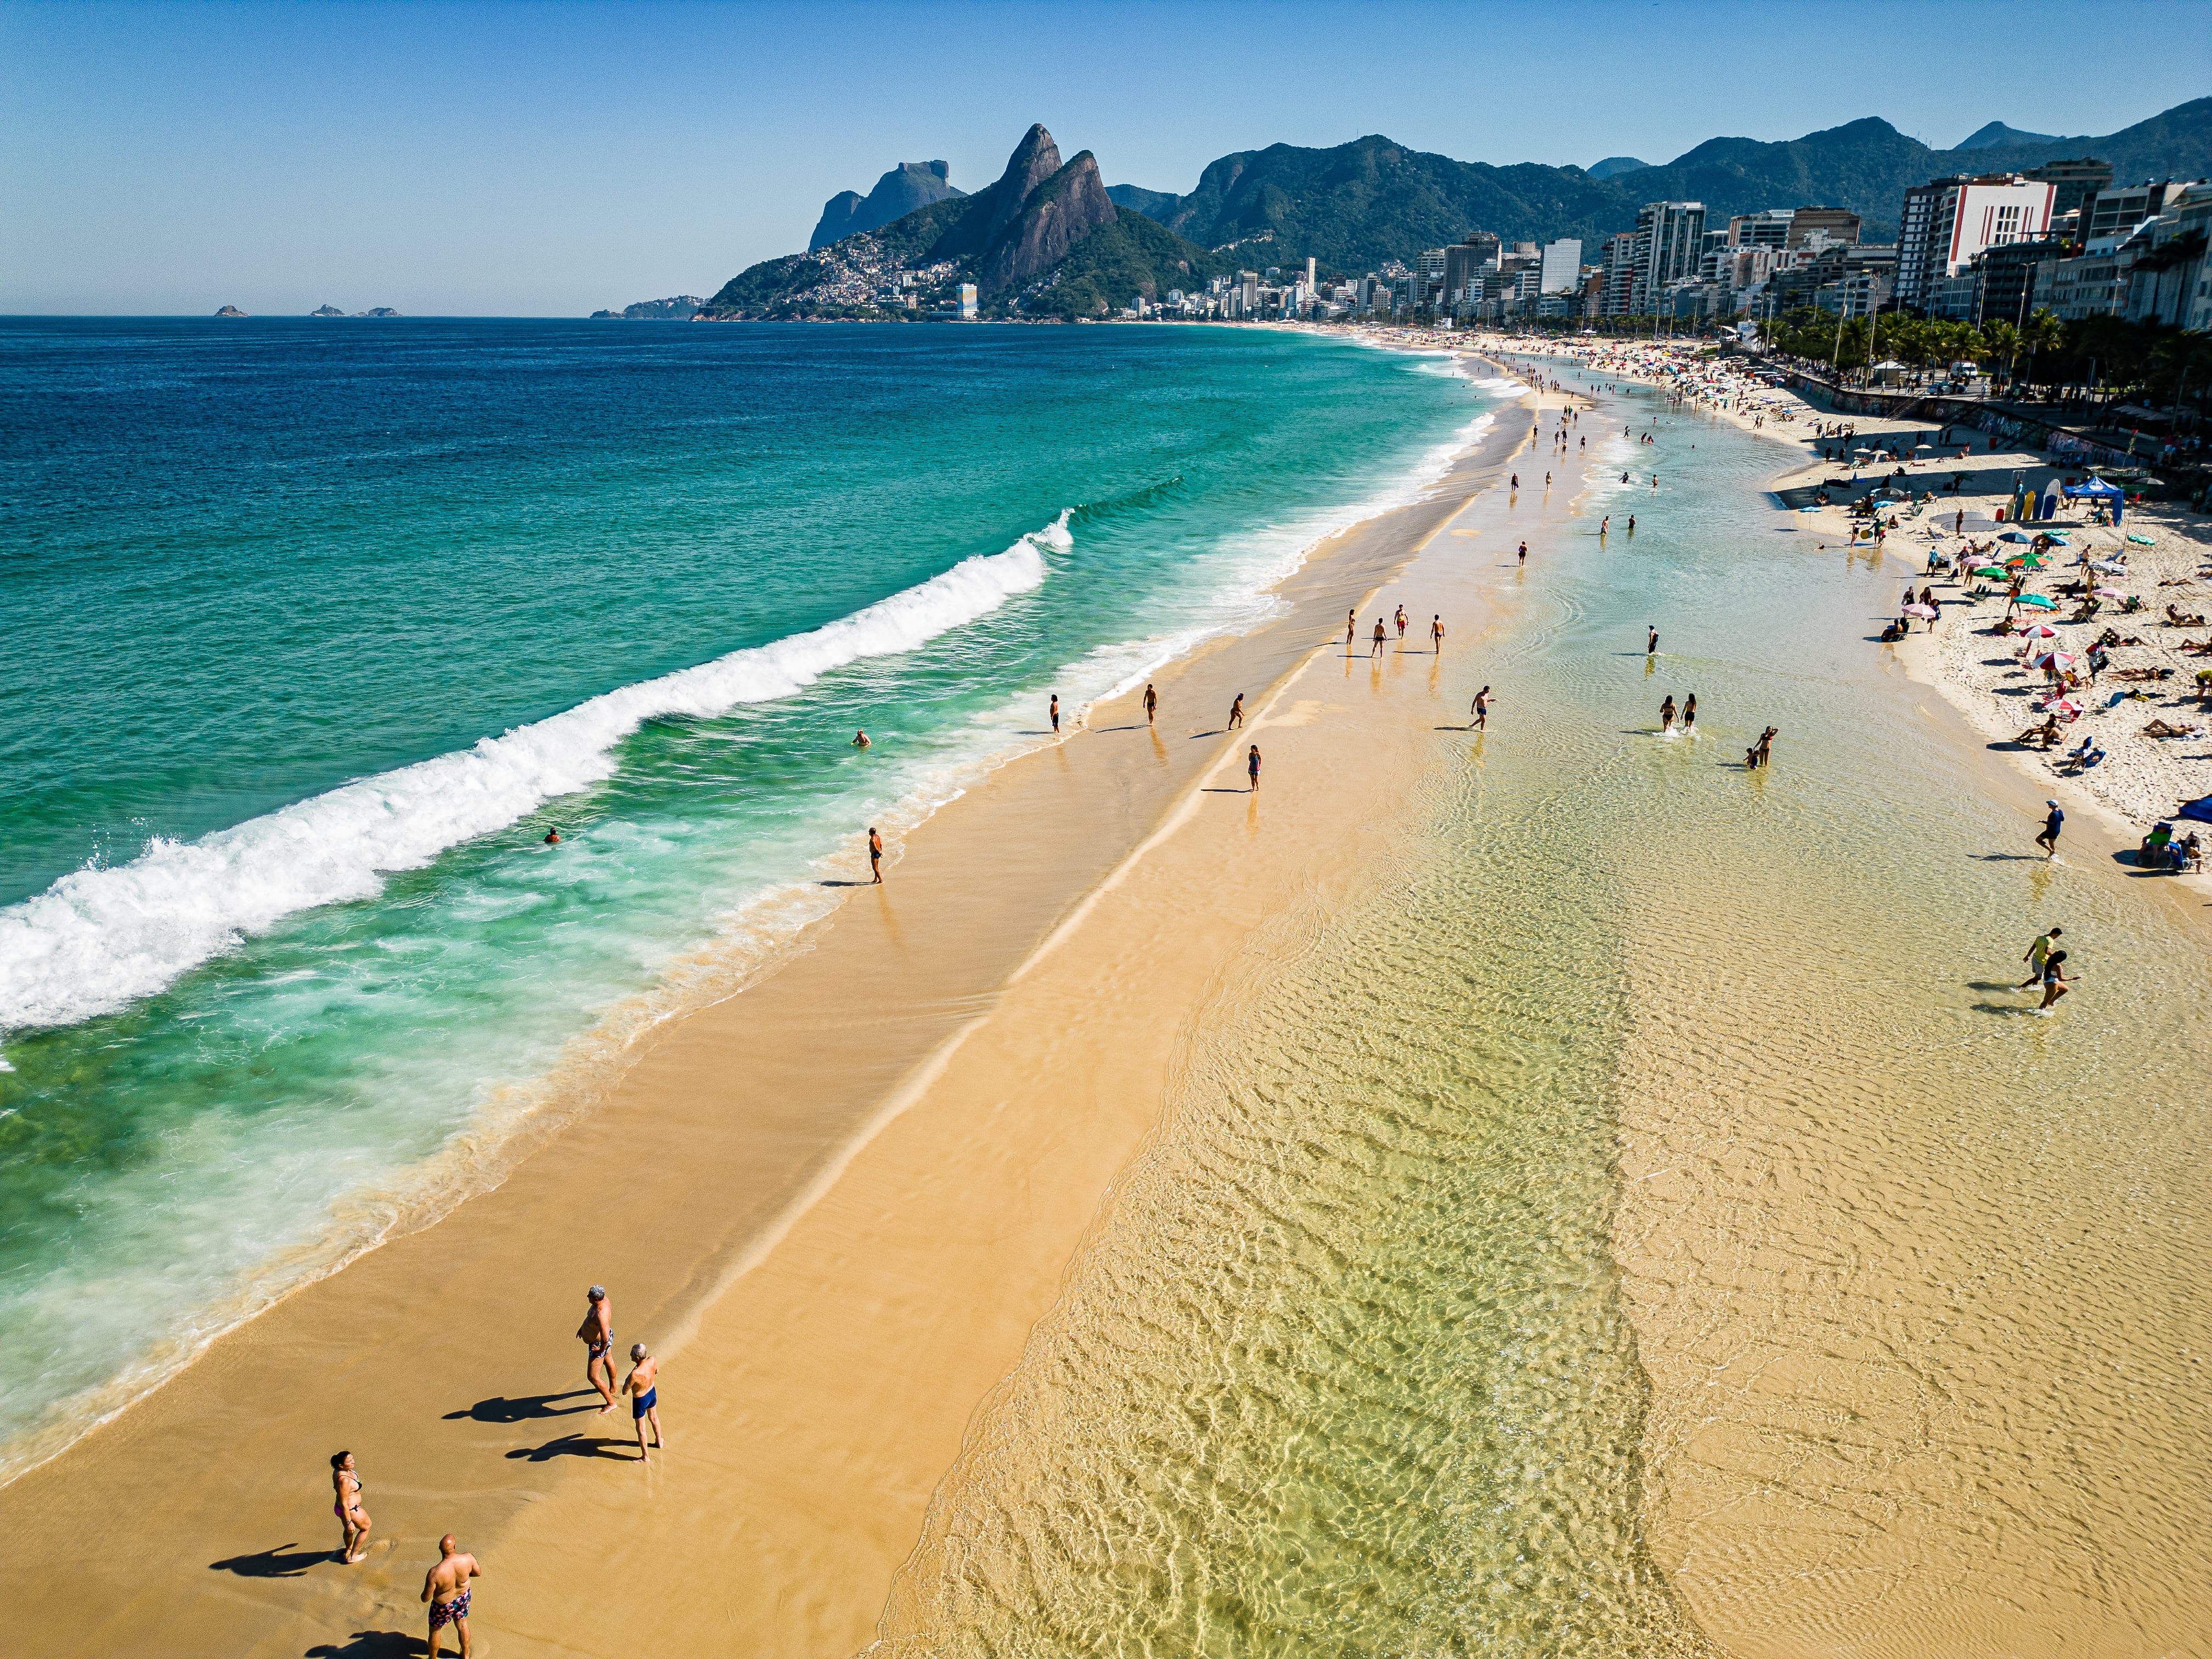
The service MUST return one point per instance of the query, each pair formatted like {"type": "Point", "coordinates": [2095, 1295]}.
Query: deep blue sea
{"type": "Point", "coordinates": [317, 628]}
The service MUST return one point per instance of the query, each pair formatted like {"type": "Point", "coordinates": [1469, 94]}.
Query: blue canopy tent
{"type": "Point", "coordinates": [2197, 809]}
{"type": "Point", "coordinates": [2095, 489]}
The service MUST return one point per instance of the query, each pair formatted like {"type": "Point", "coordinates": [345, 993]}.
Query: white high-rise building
{"type": "Point", "coordinates": [1563, 264]}
{"type": "Point", "coordinates": [1947, 221]}
{"type": "Point", "coordinates": [1669, 237]}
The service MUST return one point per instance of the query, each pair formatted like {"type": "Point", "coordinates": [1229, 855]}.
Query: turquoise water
{"type": "Point", "coordinates": [317, 629]}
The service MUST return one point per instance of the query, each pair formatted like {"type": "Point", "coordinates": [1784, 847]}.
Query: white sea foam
{"type": "Point", "coordinates": [103, 936]}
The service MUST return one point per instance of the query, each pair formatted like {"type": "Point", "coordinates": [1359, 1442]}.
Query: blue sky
{"type": "Point", "coordinates": [549, 159]}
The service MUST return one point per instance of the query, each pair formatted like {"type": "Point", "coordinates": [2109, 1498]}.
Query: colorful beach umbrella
{"type": "Point", "coordinates": [1989, 570]}
{"type": "Point", "coordinates": [2065, 706]}
{"type": "Point", "coordinates": [2011, 536]}
{"type": "Point", "coordinates": [2039, 631]}
{"type": "Point", "coordinates": [2038, 601]}
{"type": "Point", "coordinates": [2052, 660]}
{"type": "Point", "coordinates": [2108, 593]}
{"type": "Point", "coordinates": [1919, 611]}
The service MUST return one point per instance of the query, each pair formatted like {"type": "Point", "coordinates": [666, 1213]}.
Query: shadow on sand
{"type": "Point", "coordinates": [283, 1562]}
{"type": "Point", "coordinates": [578, 1445]}
{"type": "Point", "coordinates": [501, 1410]}
{"type": "Point", "coordinates": [372, 1645]}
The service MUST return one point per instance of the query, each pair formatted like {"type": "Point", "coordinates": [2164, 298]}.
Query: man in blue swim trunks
{"type": "Point", "coordinates": [445, 1588]}
{"type": "Point", "coordinates": [644, 1397]}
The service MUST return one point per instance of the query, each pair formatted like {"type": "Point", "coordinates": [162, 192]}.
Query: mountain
{"type": "Point", "coordinates": [1152, 204]}
{"type": "Point", "coordinates": [908, 186]}
{"type": "Point", "coordinates": [327, 311]}
{"type": "Point", "coordinates": [1045, 238]}
{"type": "Point", "coordinates": [231, 311]}
{"type": "Point", "coordinates": [1614, 165]}
{"type": "Point", "coordinates": [1997, 135]}
{"type": "Point", "coordinates": [679, 309]}
{"type": "Point", "coordinates": [1359, 204]}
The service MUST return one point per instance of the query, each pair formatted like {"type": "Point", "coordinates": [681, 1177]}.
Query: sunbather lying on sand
{"type": "Point", "coordinates": [2161, 729]}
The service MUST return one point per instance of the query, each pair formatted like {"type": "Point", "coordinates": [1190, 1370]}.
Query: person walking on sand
{"type": "Point", "coordinates": [2055, 985]}
{"type": "Point", "coordinates": [644, 1396]}
{"type": "Point", "coordinates": [2053, 822]}
{"type": "Point", "coordinates": [1151, 703]}
{"type": "Point", "coordinates": [445, 1588]}
{"type": "Point", "coordinates": [1666, 714]}
{"type": "Point", "coordinates": [1436, 633]}
{"type": "Point", "coordinates": [597, 1333]}
{"type": "Point", "coordinates": [2038, 953]}
{"type": "Point", "coordinates": [353, 1519]}
{"type": "Point", "coordinates": [1402, 625]}
{"type": "Point", "coordinates": [876, 877]}
{"type": "Point", "coordinates": [1252, 766]}
{"type": "Point", "coordinates": [1482, 708]}
{"type": "Point", "coordinates": [1376, 650]}
{"type": "Point", "coordinates": [1236, 711]}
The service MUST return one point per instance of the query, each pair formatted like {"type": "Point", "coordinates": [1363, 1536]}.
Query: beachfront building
{"type": "Point", "coordinates": [2074, 182]}
{"type": "Point", "coordinates": [2006, 276]}
{"type": "Point", "coordinates": [1562, 269]}
{"type": "Point", "coordinates": [2169, 280]}
{"type": "Point", "coordinates": [2116, 212]}
{"type": "Point", "coordinates": [1669, 237]}
{"type": "Point", "coordinates": [2147, 270]}
{"type": "Point", "coordinates": [1768, 229]}
{"type": "Point", "coordinates": [1817, 227]}
{"type": "Point", "coordinates": [1947, 221]}
{"type": "Point", "coordinates": [967, 299]}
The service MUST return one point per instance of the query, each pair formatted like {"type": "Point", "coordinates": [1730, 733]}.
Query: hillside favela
{"type": "Point", "coordinates": [1393, 896]}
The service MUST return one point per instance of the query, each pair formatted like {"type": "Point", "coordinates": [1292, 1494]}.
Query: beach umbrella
{"type": "Point", "coordinates": [2108, 593]}
{"type": "Point", "coordinates": [2065, 706]}
{"type": "Point", "coordinates": [2039, 631]}
{"type": "Point", "coordinates": [1988, 570]}
{"type": "Point", "coordinates": [2052, 660]}
{"type": "Point", "coordinates": [2038, 601]}
{"type": "Point", "coordinates": [2011, 536]}
{"type": "Point", "coordinates": [1919, 611]}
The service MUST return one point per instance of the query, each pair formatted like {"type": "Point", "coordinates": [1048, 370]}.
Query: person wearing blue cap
{"type": "Point", "coordinates": [2052, 823]}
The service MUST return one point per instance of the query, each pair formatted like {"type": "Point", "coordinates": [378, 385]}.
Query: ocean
{"type": "Point", "coordinates": [317, 628]}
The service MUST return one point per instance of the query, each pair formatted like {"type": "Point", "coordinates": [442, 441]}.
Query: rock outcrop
{"type": "Point", "coordinates": [908, 186]}
{"type": "Point", "coordinates": [327, 311]}
{"type": "Point", "coordinates": [681, 309]}
{"type": "Point", "coordinates": [1057, 214]}
{"type": "Point", "coordinates": [230, 310]}
{"type": "Point", "coordinates": [377, 311]}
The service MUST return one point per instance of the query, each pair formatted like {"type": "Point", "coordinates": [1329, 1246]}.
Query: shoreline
{"type": "Point", "coordinates": [674, 1087]}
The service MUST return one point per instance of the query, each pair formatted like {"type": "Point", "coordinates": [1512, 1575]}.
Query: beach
{"type": "Point", "coordinates": [835, 1202]}
{"type": "Point", "coordinates": [1551, 1184]}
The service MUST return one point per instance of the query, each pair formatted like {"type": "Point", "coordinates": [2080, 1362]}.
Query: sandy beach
{"type": "Point", "coordinates": [833, 1204]}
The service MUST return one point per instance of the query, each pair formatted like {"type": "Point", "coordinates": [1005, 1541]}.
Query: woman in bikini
{"type": "Point", "coordinates": [345, 1486]}
{"type": "Point", "coordinates": [1666, 714]}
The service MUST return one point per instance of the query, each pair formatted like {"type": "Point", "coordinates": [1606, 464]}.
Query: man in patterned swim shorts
{"type": "Point", "coordinates": [445, 1588]}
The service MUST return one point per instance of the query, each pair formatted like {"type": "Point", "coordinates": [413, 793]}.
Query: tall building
{"type": "Point", "coordinates": [1669, 236]}
{"type": "Point", "coordinates": [1310, 283]}
{"type": "Point", "coordinates": [2117, 212]}
{"type": "Point", "coordinates": [1838, 225]}
{"type": "Point", "coordinates": [1563, 264]}
{"type": "Point", "coordinates": [2008, 275]}
{"type": "Point", "coordinates": [1768, 229]}
{"type": "Point", "coordinates": [1250, 297]}
{"type": "Point", "coordinates": [1464, 263]}
{"type": "Point", "coordinates": [1947, 221]}
{"type": "Point", "coordinates": [1619, 256]}
{"type": "Point", "coordinates": [967, 299]}
{"type": "Point", "coordinates": [2077, 181]}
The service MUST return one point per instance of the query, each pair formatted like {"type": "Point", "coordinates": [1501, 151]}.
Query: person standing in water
{"type": "Point", "coordinates": [2054, 981]}
{"type": "Point", "coordinates": [2053, 822]}
{"type": "Point", "coordinates": [1667, 713]}
{"type": "Point", "coordinates": [1151, 703]}
{"type": "Point", "coordinates": [1690, 714]}
{"type": "Point", "coordinates": [1436, 633]}
{"type": "Point", "coordinates": [876, 873]}
{"type": "Point", "coordinates": [353, 1518]}
{"type": "Point", "coordinates": [2038, 953]}
{"type": "Point", "coordinates": [1652, 645]}
{"type": "Point", "coordinates": [1055, 714]}
{"type": "Point", "coordinates": [445, 1588]}
{"type": "Point", "coordinates": [1351, 628]}
{"type": "Point", "coordinates": [1524, 553]}
{"type": "Point", "coordinates": [644, 1396]}
{"type": "Point", "coordinates": [1377, 650]}
{"type": "Point", "coordinates": [860, 740]}
{"type": "Point", "coordinates": [1765, 750]}
{"type": "Point", "coordinates": [1236, 711]}
{"type": "Point", "coordinates": [1401, 624]}
{"type": "Point", "coordinates": [597, 1333]}
{"type": "Point", "coordinates": [1482, 708]}
{"type": "Point", "coordinates": [1252, 766]}
{"type": "Point", "coordinates": [1604, 525]}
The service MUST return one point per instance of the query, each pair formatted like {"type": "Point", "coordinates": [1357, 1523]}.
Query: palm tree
{"type": "Point", "coordinates": [2003, 343]}
{"type": "Point", "coordinates": [2044, 332]}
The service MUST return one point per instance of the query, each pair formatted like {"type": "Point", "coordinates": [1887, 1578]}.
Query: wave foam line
{"type": "Point", "coordinates": [104, 936]}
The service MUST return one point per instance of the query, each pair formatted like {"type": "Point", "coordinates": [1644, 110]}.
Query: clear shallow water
{"type": "Point", "coordinates": [316, 630]}
{"type": "Point", "coordinates": [1382, 1351]}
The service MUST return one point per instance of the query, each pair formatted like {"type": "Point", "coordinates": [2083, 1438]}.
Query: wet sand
{"type": "Point", "coordinates": [833, 1204]}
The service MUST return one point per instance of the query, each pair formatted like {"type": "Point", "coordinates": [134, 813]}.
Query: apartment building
{"type": "Point", "coordinates": [1947, 221]}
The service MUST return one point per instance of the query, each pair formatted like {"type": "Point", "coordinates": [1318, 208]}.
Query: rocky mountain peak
{"type": "Point", "coordinates": [1035, 160]}
{"type": "Point", "coordinates": [1060, 213]}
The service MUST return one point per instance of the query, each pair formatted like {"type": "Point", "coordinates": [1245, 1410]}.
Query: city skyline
{"type": "Point", "coordinates": [551, 161]}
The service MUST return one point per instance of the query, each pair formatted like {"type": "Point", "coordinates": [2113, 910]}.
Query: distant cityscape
{"type": "Point", "coordinates": [1981, 249]}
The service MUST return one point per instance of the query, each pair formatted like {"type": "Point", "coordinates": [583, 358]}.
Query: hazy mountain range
{"type": "Point", "coordinates": [1056, 236]}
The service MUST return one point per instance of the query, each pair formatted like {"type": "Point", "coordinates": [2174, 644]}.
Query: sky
{"type": "Point", "coordinates": [547, 159]}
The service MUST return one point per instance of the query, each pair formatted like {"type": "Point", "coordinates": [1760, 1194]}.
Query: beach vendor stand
{"type": "Point", "coordinates": [2097, 493]}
